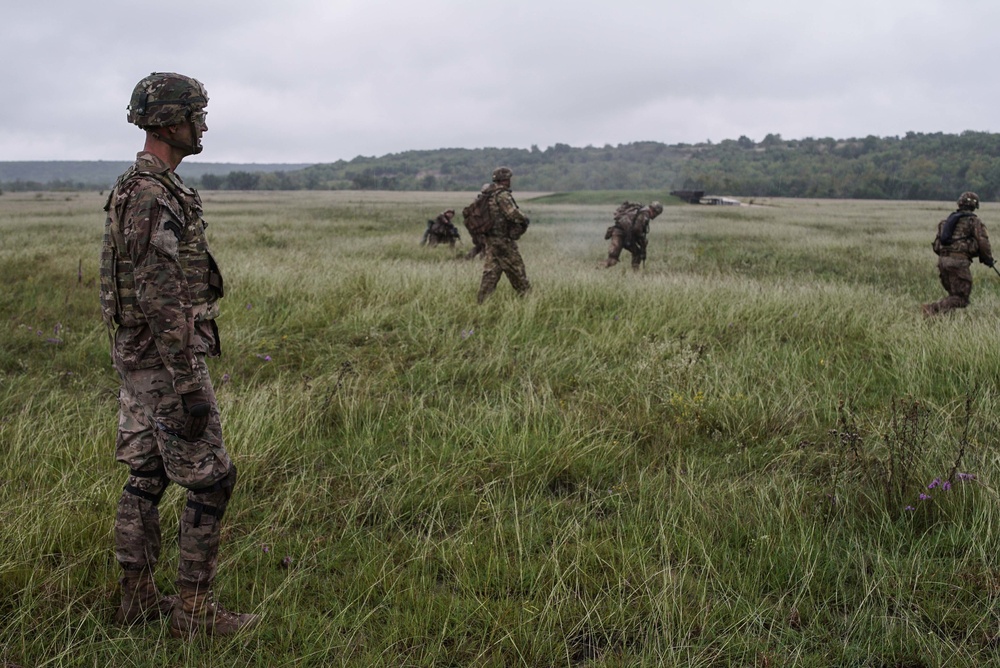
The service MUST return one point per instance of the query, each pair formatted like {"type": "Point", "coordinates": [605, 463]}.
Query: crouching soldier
{"type": "Point", "coordinates": [441, 230]}
{"type": "Point", "coordinates": [630, 232]}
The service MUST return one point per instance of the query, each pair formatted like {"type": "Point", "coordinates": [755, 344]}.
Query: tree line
{"type": "Point", "coordinates": [934, 166]}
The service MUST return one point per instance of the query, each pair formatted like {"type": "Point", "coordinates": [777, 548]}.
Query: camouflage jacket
{"type": "Point", "coordinates": [159, 283]}
{"type": "Point", "coordinates": [968, 238]}
{"type": "Point", "coordinates": [508, 221]}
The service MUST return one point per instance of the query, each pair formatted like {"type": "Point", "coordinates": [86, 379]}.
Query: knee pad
{"type": "Point", "coordinates": [212, 500]}
{"type": "Point", "coordinates": [148, 485]}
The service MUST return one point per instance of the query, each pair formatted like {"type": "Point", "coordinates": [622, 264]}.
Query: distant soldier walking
{"type": "Point", "coordinates": [441, 230]}
{"type": "Point", "coordinates": [630, 232]}
{"type": "Point", "coordinates": [960, 238]}
{"type": "Point", "coordinates": [507, 224]}
{"type": "Point", "coordinates": [160, 289]}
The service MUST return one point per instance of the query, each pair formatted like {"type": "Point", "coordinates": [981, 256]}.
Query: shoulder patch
{"type": "Point", "coordinates": [168, 230]}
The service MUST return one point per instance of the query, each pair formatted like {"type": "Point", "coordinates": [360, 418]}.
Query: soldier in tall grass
{"type": "Point", "coordinates": [630, 232]}
{"type": "Point", "coordinates": [441, 230]}
{"type": "Point", "coordinates": [960, 238]}
{"type": "Point", "coordinates": [160, 289]}
{"type": "Point", "coordinates": [502, 258]}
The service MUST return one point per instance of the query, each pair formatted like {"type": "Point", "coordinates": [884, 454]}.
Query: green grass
{"type": "Point", "coordinates": [718, 461]}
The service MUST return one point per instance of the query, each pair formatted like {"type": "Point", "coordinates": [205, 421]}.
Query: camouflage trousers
{"type": "Point", "coordinates": [501, 257]}
{"type": "Point", "coordinates": [618, 243]}
{"type": "Point", "coordinates": [956, 278]}
{"type": "Point", "coordinates": [150, 418]}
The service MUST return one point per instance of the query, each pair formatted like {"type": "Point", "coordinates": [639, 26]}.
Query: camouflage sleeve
{"type": "Point", "coordinates": [983, 239]}
{"type": "Point", "coordinates": [508, 208]}
{"type": "Point", "coordinates": [152, 224]}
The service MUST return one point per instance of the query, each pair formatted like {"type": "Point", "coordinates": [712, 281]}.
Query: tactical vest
{"type": "Point", "coordinates": [119, 299]}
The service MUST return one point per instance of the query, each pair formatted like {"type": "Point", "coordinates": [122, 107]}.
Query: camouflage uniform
{"type": "Point", "coordinates": [960, 238]}
{"type": "Point", "coordinates": [160, 289]}
{"type": "Point", "coordinates": [441, 230]}
{"type": "Point", "coordinates": [501, 255]}
{"type": "Point", "coordinates": [159, 293]}
{"type": "Point", "coordinates": [630, 233]}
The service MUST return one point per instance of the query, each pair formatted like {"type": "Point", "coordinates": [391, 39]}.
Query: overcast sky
{"type": "Point", "coordinates": [306, 81]}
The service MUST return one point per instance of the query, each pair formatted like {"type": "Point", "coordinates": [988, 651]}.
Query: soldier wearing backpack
{"type": "Point", "coordinates": [630, 231]}
{"type": "Point", "coordinates": [495, 216]}
{"type": "Point", "coordinates": [960, 238]}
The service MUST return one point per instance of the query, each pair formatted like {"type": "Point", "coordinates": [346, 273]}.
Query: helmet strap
{"type": "Point", "coordinates": [194, 148]}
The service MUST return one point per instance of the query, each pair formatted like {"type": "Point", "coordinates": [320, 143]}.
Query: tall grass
{"type": "Point", "coordinates": [737, 456]}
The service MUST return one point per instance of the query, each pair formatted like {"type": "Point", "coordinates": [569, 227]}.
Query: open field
{"type": "Point", "coordinates": [755, 452]}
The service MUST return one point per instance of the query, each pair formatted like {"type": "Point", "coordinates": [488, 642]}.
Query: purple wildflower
{"type": "Point", "coordinates": [466, 333]}
{"type": "Point", "coordinates": [946, 485]}
{"type": "Point", "coordinates": [265, 547]}
{"type": "Point", "coordinates": [249, 306]}
{"type": "Point", "coordinates": [934, 483]}
{"type": "Point", "coordinates": [924, 497]}
{"type": "Point", "coordinates": [909, 508]}
{"type": "Point", "coordinates": [966, 476]}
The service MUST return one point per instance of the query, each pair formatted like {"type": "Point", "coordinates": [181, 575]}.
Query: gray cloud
{"type": "Point", "coordinates": [321, 80]}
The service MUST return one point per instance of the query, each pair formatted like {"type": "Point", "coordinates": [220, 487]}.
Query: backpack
{"type": "Point", "coordinates": [476, 216]}
{"type": "Point", "coordinates": [625, 214]}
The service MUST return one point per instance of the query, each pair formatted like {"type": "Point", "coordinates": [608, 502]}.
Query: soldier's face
{"type": "Point", "coordinates": [195, 129]}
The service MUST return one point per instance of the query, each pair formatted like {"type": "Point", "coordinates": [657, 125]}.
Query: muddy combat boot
{"type": "Point", "coordinates": [196, 611]}
{"type": "Point", "coordinates": [141, 600]}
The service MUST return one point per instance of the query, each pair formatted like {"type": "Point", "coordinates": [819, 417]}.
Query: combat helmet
{"type": "Point", "coordinates": [502, 174]}
{"type": "Point", "coordinates": [656, 207]}
{"type": "Point", "coordinates": [166, 98]}
{"type": "Point", "coordinates": [968, 201]}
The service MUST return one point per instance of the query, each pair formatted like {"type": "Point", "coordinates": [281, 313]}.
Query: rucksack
{"type": "Point", "coordinates": [625, 214]}
{"type": "Point", "coordinates": [476, 216]}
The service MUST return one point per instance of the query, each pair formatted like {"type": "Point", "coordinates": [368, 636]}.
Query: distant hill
{"type": "Point", "coordinates": [77, 174]}
{"type": "Point", "coordinates": [932, 166]}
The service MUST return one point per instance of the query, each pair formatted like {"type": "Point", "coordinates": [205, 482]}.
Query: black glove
{"type": "Point", "coordinates": [988, 261]}
{"type": "Point", "coordinates": [197, 407]}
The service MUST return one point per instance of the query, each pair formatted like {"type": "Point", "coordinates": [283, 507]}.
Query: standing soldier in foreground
{"type": "Point", "coordinates": [630, 231]}
{"type": "Point", "coordinates": [160, 288]}
{"type": "Point", "coordinates": [960, 237]}
{"type": "Point", "coordinates": [508, 224]}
